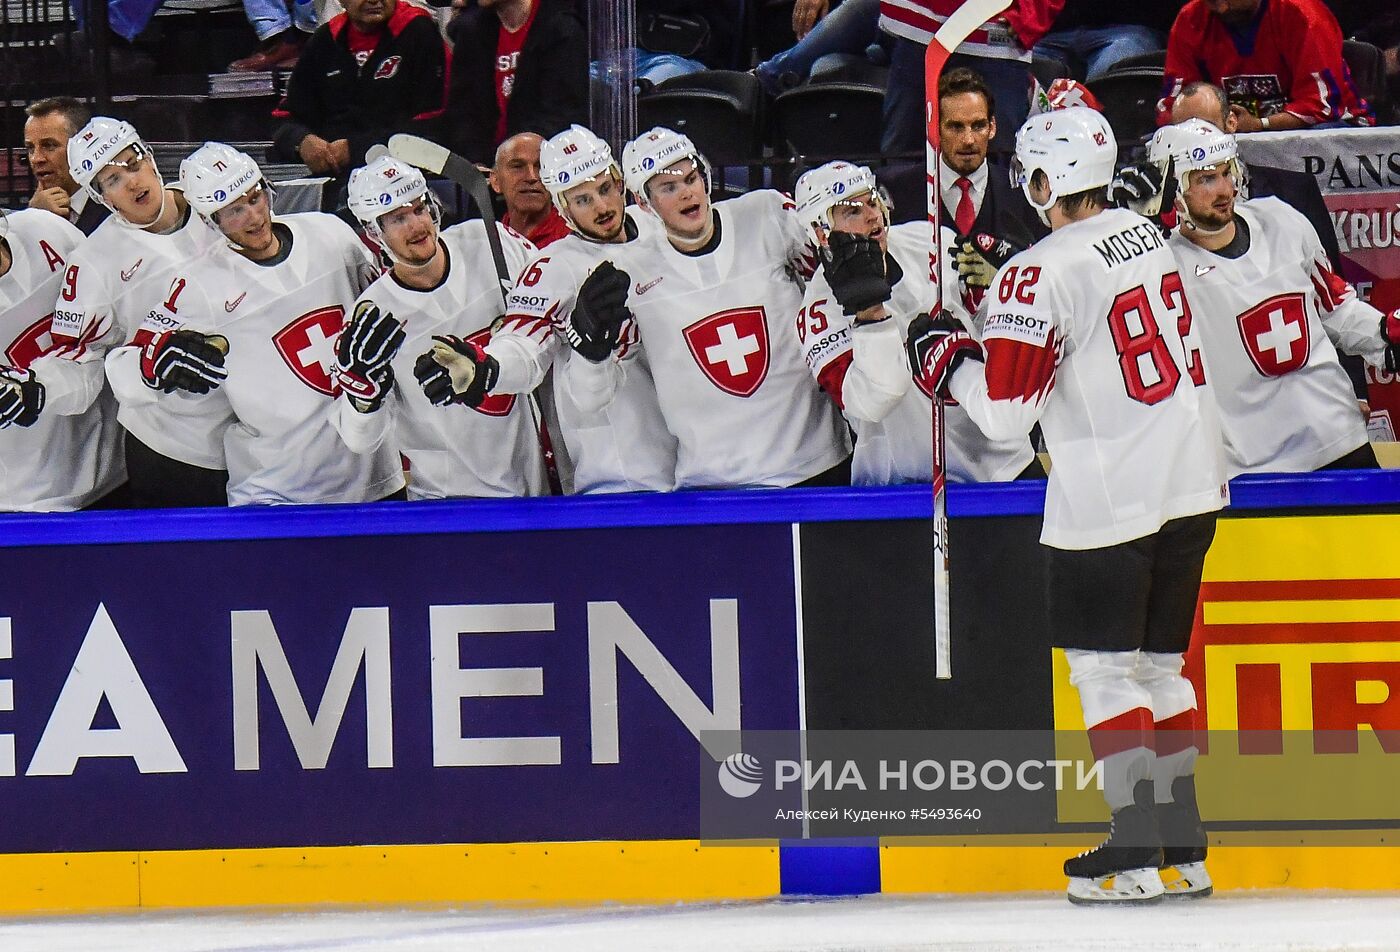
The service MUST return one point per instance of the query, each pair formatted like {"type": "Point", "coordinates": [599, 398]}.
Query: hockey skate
{"type": "Point", "coordinates": [1183, 844]}
{"type": "Point", "coordinates": [1124, 868]}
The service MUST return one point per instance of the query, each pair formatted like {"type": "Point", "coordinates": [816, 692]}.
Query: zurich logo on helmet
{"type": "Point", "coordinates": [385, 199]}
{"type": "Point", "coordinates": [563, 177]}
{"type": "Point", "coordinates": [648, 162]}
{"type": "Point", "coordinates": [838, 188]}
{"type": "Point", "coordinates": [1198, 153]}
{"type": "Point", "coordinates": [87, 165]}
{"type": "Point", "coordinates": [220, 195]}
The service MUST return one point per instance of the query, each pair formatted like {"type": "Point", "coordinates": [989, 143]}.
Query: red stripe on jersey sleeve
{"type": "Point", "coordinates": [1017, 370]}
{"type": "Point", "coordinates": [1331, 287]}
{"type": "Point", "coordinates": [832, 377]}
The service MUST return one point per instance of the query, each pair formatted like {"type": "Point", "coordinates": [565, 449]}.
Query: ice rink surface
{"type": "Point", "coordinates": [1293, 921]}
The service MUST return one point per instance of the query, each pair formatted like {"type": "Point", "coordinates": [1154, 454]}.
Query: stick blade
{"type": "Point", "coordinates": [416, 150]}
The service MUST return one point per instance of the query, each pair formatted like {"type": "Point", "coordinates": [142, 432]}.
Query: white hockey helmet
{"type": "Point", "coordinates": [1073, 147]}
{"type": "Point", "coordinates": [573, 156]}
{"type": "Point", "coordinates": [826, 186]}
{"type": "Point", "coordinates": [1191, 146]}
{"type": "Point", "coordinates": [653, 152]}
{"type": "Point", "coordinates": [216, 175]}
{"type": "Point", "coordinates": [93, 147]}
{"type": "Point", "coordinates": [383, 185]}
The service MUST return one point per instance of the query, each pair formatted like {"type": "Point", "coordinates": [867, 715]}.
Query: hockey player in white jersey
{"type": "Point", "coordinates": [855, 317]}
{"type": "Point", "coordinates": [713, 302]}
{"type": "Point", "coordinates": [1089, 332]}
{"type": "Point", "coordinates": [623, 446]}
{"type": "Point", "coordinates": [1271, 315]}
{"type": "Point", "coordinates": [274, 295]}
{"type": "Point", "coordinates": [115, 279]}
{"type": "Point", "coordinates": [48, 462]}
{"type": "Point", "coordinates": [441, 293]}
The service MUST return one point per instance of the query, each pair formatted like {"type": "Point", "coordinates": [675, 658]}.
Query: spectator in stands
{"type": "Point", "coordinates": [518, 66]}
{"type": "Point", "coordinates": [51, 123]}
{"type": "Point", "coordinates": [977, 196]}
{"type": "Point", "coordinates": [370, 72]}
{"type": "Point", "coordinates": [1000, 51]}
{"type": "Point", "coordinates": [281, 33]}
{"type": "Point", "coordinates": [826, 39]}
{"type": "Point", "coordinates": [1198, 100]}
{"type": "Point", "coordinates": [1383, 32]}
{"type": "Point", "coordinates": [516, 178]}
{"type": "Point", "coordinates": [1092, 36]}
{"type": "Point", "coordinates": [1279, 62]}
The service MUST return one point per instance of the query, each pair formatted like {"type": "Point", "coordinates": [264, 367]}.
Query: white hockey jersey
{"type": "Point", "coordinates": [1270, 322]}
{"type": "Point", "coordinates": [62, 462]}
{"type": "Point", "coordinates": [117, 279]}
{"type": "Point", "coordinates": [623, 447]}
{"type": "Point", "coordinates": [490, 450]}
{"type": "Point", "coordinates": [281, 322]}
{"type": "Point", "coordinates": [866, 371]}
{"type": "Point", "coordinates": [1089, 332]}
{"type": "Point", "coordinates": [730, 377]}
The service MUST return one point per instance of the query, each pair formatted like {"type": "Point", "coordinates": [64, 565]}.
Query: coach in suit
{"type": "Point", "coordinates": [50, 124]}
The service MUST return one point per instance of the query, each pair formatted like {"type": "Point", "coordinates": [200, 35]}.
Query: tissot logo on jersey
{"type": "Point", "coordinates": [307, 345]}
{"type": "Point", "coordinates": [1018, 327]}
{"type": "Point", "coordinates": [731, 347]}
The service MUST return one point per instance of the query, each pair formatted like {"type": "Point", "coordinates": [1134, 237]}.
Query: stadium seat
{"type": "Point", "coordinates": [1129, 97]}
{"type": "Point", "coordinates": [719, 109]}
{"type": "Point", "coordinates": [1368, 73]}
{"type": "Point", "coordinates": [1157, 58]}
{"type": "Point", "coordinates": [829, 120]}
{"type": "Point", "coordinates": [854, 70]}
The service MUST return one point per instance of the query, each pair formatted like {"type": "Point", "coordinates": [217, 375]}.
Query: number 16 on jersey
{"type": "Point", "coordinates": [970, 16]}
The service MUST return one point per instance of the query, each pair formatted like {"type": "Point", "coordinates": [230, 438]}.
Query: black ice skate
{"type": "Point", "coordinates": [1124, 868]}
{"type": "Point", "coordinates": [1183, 843]}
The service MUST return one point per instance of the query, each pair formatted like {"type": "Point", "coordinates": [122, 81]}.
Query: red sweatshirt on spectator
{"type": "Point", "coordinates": [1009, 36]}
{"type": "Point", "coordinates": [1287, 59]}
{"type": "Point", "coordinates": [551, 228]}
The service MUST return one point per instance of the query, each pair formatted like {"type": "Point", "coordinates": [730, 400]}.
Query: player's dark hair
{"type": "Point", "coordinates": [964, 80]}
{"type": "Point", "coordinates": [1079, 201]}
{"type": "Point", "coordinates": [75, 112]}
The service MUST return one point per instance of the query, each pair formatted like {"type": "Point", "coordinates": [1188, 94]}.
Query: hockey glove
{"type": "Point", "coordinates": [1390, 330]}
{"type": "Point", "coordinates": [368, 393]}
{"type": "Point", "coordinates": [1140, 187]}
{"type": "Point", "coordinates": [456, 371]}
{"type": "Point", "coordinates": [855, 268]}
{"type": "Point", "coordinates": [980, 256]}
{"type": "Point", "coordinates": [936, 346]}
{"type": "Point", "coordinates": [21, 397]}
{"type": "Point", "coordinates": [184, 360]}
{"type": "Point", "coordinates": [600, 311]}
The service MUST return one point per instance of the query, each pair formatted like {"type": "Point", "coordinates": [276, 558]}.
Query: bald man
{"type": "Point", "coordinates": [516, 178]}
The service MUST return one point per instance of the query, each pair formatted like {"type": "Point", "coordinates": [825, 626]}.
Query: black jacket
{"type": "Point", "coordinates": [1004, 212]}
{"type": "Point", "coordinates": [551, 78]}
{"type": "Point", "coordinates": [93, 214]}
{"type": "Point", "coordinates": [399, 89]}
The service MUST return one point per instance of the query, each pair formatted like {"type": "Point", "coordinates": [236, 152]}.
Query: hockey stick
{"type": "Point", "coordinates": [441, 161]}
{"type": "Point", "coordinates": [958, 27]}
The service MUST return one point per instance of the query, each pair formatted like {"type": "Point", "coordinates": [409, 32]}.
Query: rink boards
{"type": "Point", "coordinates": [506, 701]}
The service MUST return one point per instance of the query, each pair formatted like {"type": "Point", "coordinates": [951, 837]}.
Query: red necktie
{"type": "Point", "coordinates": [966, 214]}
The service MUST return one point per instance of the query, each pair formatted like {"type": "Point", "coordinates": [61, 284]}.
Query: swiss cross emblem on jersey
{"type": "Point", "coordinates": [307, 344]}
{"type": "Point", "coordinates": [731, 347]}
{"type": "Point", "coordinates": [1275, 334]}
{"type": "Point", "coordinates": [32, 341]}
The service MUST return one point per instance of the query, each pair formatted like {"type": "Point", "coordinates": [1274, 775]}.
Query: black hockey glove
{"type": "Point", "coordinates": [184, 360]}
{"type": "Point", "coordinates": [362, 354]}
{"type": "Point", "coordinates": [1390, 330]}
{"type": "Point", "coordinates": [1140, 186]}
{"type": "Point", "coordinates": [855, 268]}
{"type": "Point", "coordinates": [936, 346]}
{"type": "Point", "coordinates": [980, 256]}
{"type": "Point", "coordinates": [600, 311]}
{"type": "Point", "coordinates": [21, 397]}
{"type": "Point", "coordinates": [456, 371]}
